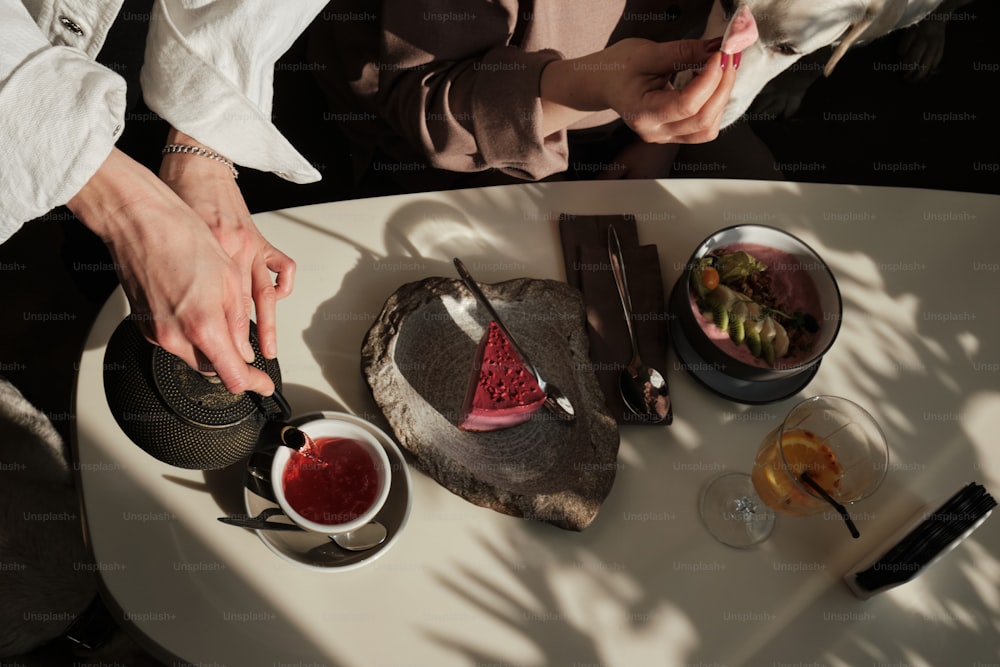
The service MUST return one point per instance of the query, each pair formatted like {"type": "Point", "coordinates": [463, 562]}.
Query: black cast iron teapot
{"type": "Point", "coordinates": [187, 419]}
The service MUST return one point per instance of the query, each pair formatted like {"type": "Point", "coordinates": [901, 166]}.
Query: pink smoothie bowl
{"type": "Point", "coordinates": [800, 278]}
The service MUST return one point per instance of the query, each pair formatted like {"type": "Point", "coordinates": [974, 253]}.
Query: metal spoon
{"type": "Point", "coordinates": [366, 537]}
{"type": "Point", "coordinates": [642, 388]}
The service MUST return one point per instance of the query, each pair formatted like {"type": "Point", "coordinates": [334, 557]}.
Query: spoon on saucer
{"type": "Point", "coordinates": [364, 538]}
{"type": "Point", "coordinates": [642, 388]}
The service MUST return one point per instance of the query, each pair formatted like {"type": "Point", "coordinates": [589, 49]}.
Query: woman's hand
{"type": "Point", "coordinates": [650, 105]}
{"type": "Point", "coordinates": [187, 295]}
{"type": "Point", "coordinates": [633, 78]}
{"type": "Point", "coordinates": [208, 187]}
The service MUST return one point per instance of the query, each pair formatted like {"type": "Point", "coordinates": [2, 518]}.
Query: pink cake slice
{"type": "Point", "coordinates": [502, 392]}
{"type": "Point", "coordinates": [741, 31]}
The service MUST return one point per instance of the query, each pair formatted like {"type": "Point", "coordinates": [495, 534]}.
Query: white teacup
{"type": "Point", "coordinates": [322, 430]}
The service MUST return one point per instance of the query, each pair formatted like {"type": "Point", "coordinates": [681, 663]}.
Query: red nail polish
{"type": "Point", "coordinates": [725, 61]}
{"type": "Point", "coordinates": [736, 60]}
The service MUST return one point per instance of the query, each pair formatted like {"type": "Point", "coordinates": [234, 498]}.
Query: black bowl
{"type": "Point", "coordinates": [707, 360]}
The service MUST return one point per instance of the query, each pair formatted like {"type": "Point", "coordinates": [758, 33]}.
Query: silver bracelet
{"type": "Point", "coordinates": [203, 152]}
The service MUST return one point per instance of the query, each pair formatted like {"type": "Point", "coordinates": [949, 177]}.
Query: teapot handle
{"type": "Point", "coordinates": [277, 432]}
{"type": "Point", "coordinates": [282, 403]}
{"type": "Point", "coordinates": [284, 409]}
{"type": "Point", "coordinates": [258, 474]}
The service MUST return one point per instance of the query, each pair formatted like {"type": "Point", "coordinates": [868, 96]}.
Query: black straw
{"type": "Point", "coordinates": [855, 533]}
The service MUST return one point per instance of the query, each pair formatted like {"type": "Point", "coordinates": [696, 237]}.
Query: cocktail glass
{"type": "Point", "coordinates": [832, 441]}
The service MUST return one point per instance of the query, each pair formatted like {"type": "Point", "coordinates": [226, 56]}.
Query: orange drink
{"type": "Point", "coordinates": [827, 452]}
{"type": "Point", "coordinates": [778, 470]}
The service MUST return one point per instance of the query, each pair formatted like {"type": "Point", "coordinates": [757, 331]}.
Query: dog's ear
{"type": "Point", "coordinates": [879, 18]}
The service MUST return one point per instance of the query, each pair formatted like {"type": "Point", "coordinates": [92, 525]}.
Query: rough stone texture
{"type": "Point", "coordinates": [417, 358]}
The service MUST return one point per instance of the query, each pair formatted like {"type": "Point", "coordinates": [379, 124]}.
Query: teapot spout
{"type": "Point", "coordinates": [280, 434]}
{"type": "Point", "coordinates": [274, 434]}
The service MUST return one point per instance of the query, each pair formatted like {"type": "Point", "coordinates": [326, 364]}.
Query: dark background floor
{"type": "Point", "coordinates": [940, 134]}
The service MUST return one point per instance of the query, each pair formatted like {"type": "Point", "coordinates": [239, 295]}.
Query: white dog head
{"type": "Point", "coordinates": [790, 29]}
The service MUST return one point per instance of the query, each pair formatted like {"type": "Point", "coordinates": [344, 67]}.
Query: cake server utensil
{"type": "Point", "coordinates": [556, 401]}
{"type": "Point", "coordinates": [366, 537]}
{"type": "Point", "coordinates": [261, 521]}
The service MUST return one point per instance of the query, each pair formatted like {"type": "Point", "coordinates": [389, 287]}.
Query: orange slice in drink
{"type": "Point", "coordinates": [804, 452]}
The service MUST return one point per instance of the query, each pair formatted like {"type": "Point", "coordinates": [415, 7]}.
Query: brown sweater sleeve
{"type": "Point", "coordinates": [451, 84]}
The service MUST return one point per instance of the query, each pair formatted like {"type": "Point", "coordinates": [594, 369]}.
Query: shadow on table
{"type": "Point", "coordinates": [420, 239]}
{"type": "Point", "coordinates": [646, 571]}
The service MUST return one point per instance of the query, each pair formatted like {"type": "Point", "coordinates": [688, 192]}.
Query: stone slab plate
{"type": "Point", "coordinates": [418, 358]}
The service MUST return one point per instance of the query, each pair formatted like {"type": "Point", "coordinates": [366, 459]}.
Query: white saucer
{"type": "Point", "coordinates": [317, 552]}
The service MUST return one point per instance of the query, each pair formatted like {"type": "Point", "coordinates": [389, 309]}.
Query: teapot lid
{"type": "Point", "coordinates": [175, 413]}
{"type": "Point", "coordinates": [201, 400]}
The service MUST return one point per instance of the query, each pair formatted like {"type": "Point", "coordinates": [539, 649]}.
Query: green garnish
{"type": "Point", "coordinates": [746, 321]}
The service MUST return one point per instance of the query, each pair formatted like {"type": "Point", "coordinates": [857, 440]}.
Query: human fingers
{"type": "Point", "coordinates": [284, 267]}
{"type": "Point", "coordinates": [226, 360]}
{"type": "Point", "coordinates": [672, 57]}
{"type": "Point", "coordinates": [210, 351]}
{"type": "Point", "coordinates": [694, 110]}
{"type": "Point", "coordinates": [689, 100]}
{"type": "Point", "coordinates": [239, 327]}
{"type": "Point", "coordinates": [207, 329]}
{"type": "Point", "coordinates": [239, 377]}
{"type": "Point", "coordinates": [235, 300]}
{"type": "Point", "coordinates": [265, 301]}
{"type": "Point", "coordinates": [704, 124]}
{"type": "Point", "coordinates": [162, 330]}
{"type": "Point", "coordinates": [267, 291]}
{"type": "Point", "coordinates": [172, 340]}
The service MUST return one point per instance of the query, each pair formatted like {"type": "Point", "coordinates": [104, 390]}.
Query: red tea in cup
{"type": "Point", "coordinates": [332, 481]}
